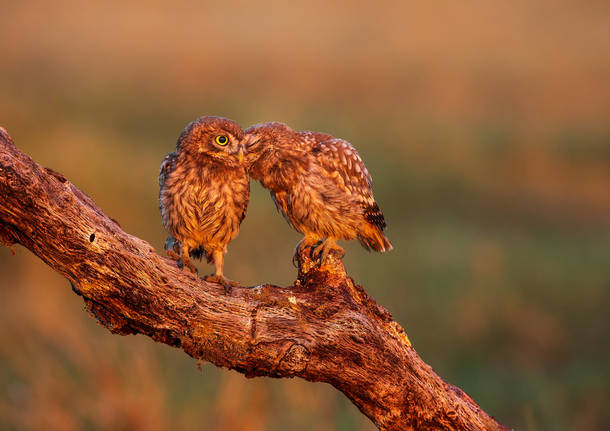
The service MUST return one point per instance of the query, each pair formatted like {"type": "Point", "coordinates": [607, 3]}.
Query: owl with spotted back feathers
{"type": "Point", "coordinates": [320, 185]}
{"type": "Point", "coordinates": [204, 191]}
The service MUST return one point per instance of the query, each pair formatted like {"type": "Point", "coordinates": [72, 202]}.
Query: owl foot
{"type": "Point", "coordinates": [173, 255]}
{"type": "Point", "coordinates": [322, 249]}
{"type": "Point", "coordinates": [220, 279]}
{"type": "Point", "coordinates": [303, 248]}
{"type": "Point", "coordinates": [190, 265]}
{"type": "Point", "coordinates": [172, 247]}
{"type": "Point", "coordinates": [185, 262]}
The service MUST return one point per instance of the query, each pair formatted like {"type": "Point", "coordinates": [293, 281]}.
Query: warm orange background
{"type": "Point", "coordinates": [485, 127]}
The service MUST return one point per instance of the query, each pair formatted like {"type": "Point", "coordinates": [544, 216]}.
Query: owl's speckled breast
{"type": "Point", "coordinates": [204, 204]}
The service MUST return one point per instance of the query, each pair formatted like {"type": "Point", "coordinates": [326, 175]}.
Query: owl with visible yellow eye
{"type": "Point", "coordinates": [204, 193]}
{"type": "Point", "coordinates": [320, 185]}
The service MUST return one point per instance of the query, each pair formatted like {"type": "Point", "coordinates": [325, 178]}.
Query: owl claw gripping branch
{"type": "Point", "coordinates": [204, 193]}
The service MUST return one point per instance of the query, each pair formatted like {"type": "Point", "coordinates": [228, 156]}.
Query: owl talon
{"type": "Point", "coordinates": [220, 279]}
{"type": "Point", "coordinates": [323, 248]}
{"type": "Point", "coordinates": [173, 255]}
{"type": "Point", "coordinates": [180, 263]}
{"type": "Point", "coordinates": [295, 259]}
{"type": "Point", "coordinates": [189, 265]}
{"type": "Point", "coordinates": [303, 248]}
{"type": "Point", "coordinates": [186, 262]}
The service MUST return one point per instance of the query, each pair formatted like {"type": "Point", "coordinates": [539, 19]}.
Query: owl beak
{"type": "Point", "coordinates": [240, 154]}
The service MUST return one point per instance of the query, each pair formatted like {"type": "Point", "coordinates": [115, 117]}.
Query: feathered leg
{"type": "Point", "coordinates": [218, 277]}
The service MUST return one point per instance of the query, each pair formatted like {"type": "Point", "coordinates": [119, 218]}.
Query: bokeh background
{"type": "Point", "coordinates": [485, 126]}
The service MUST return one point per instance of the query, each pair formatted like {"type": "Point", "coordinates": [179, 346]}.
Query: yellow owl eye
{"type": "Point", "coordinates": [222, 140]}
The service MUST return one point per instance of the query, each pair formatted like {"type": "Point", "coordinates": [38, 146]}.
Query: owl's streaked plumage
{"type": "Point", "coordinates": [320, 184]}
{"type": "Point", "coordinates": [204, 192]}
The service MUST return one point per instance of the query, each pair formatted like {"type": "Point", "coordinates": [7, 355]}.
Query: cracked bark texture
{"type": "Point", "coordinates": [324, 328]}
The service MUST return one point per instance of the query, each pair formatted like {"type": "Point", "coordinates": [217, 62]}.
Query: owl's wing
{"type": "Point", "coordinates": [345, 168]}
{"type": "Point", "coordinates": [309, 140]}
{"type": "Point", "coordinates": [343, 163]}
{"type": "Point", "coordinates": [167, 166]}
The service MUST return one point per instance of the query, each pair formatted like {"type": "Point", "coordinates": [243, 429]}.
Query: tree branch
{"type": "Point", "coordinates": [324, 328]}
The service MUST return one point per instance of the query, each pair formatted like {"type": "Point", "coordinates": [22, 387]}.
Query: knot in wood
{"type": "Point", "coordinates": [295, 359]}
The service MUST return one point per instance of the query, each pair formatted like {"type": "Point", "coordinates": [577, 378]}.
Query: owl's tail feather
{"type": "Point", "coordinates": [372, 238]}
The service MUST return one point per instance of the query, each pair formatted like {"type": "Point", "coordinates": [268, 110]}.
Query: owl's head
{"type": "Point", "coordinates": [218, 138]}
{"type": "Point", "coordinates": [265, 134]}
{"type": "Point", "coordinates": [266, 138]}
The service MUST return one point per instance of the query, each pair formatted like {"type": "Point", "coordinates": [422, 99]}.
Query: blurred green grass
{"type": "Point", "coordinates": [489, 155]}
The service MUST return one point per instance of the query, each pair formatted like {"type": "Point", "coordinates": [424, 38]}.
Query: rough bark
{"type": "Point", "coordinates": [324, 328]}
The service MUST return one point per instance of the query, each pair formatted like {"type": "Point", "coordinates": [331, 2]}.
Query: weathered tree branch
{"type": "Point", "coordinates": [325, 328]}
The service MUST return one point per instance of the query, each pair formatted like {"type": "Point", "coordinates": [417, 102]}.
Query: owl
{"type": "Point", "coordinates": [204, 190]}
{"type": "Point", "coordinates": [320, 185]}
